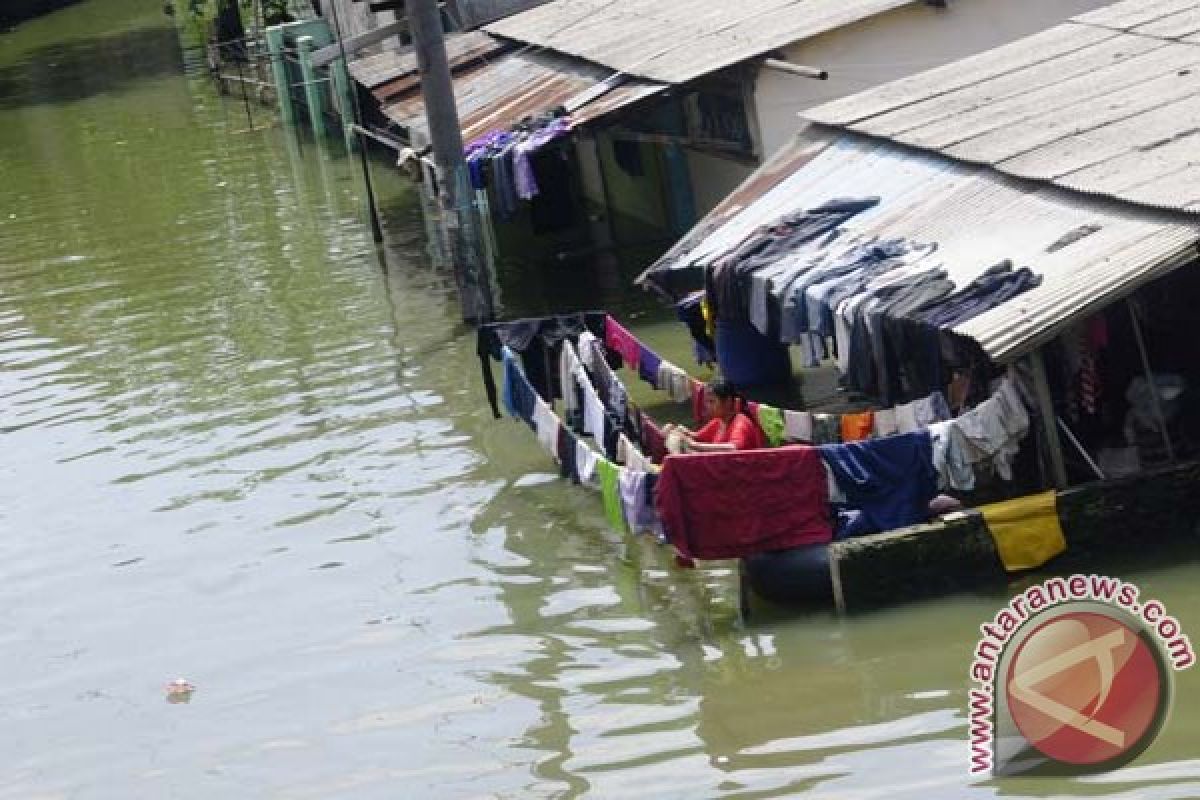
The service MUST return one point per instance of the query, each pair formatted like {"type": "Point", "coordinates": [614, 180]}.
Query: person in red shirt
{"type": "Point", "coordinates": [729, 426]}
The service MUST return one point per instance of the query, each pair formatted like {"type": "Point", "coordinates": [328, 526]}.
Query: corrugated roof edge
{"type": "Point", "coordinates": [1192, 214]}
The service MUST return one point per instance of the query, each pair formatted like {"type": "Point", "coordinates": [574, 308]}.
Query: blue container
{"type": "Point", "coordinates": [750, 359]}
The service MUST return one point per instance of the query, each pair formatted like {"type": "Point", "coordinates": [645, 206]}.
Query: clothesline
{"type": "Point", "coordinates": [985, 435]}
{"type": "Point", "coordinates": [877, 483]}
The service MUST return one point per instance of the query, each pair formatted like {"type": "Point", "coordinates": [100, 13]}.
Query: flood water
{"type": "Point", "coordinates": [240, 446]}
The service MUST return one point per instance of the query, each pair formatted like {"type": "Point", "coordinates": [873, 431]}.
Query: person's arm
{"type": "Point", "coordinates": [705, 447]}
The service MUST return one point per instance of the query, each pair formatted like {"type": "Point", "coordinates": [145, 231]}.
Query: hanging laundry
{"type": "Point", "coordinates": [546, 423]}
{"type": "Point", "coordinates": [951, 457]}
{"type": "Point", "coordinates": [890, 481]}
{"type": "Point", "coordinates": [568, 448]}
{"type": "Point", "coordinates": [856, 427]}
{"type": "Point", "coordinates": [770, 420]}
{"type": "Point", "coordinates": [994, 428]}
{"type": "Point", "coordinates": [639, 511]}
{"type": "Point", "coordinates": [885, 422]}
{"type": "Point", "coordinates": [536, 342]}
{"type": "Point", "coordinates": [622, 341]}
{"type": "Point", "coordinates": [586, 460]}
{"type": "Point", "coordinates": [648, 366]}
{"type": "Point", "coordinates": [827, 428]}
{"type": "Point", "coordinates": [610, 491]}
{"type": "Point", "coordinates": [675, 382]}
{"type": "Point", "coordinates": [1026, 530]}
{"type": "Point", "coordinates": [593, 407]}
{"type": "Point", "coordinates": [798, 426]}
{"type": "Point", "coordinates": [906, 418]}
{"type": "Point", "coordinates": [731, 505]}
{"type": "Point", "coordinates": [654, 441]}
{"type": "Point", "coordinates": [519, 395]}
{"type": "Point", "coordinates": [931, 409]}
{"type": "Point", "coordinates": [568, 363]}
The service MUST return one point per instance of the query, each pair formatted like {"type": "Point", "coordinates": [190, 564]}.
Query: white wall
{"type": "Point", "coordinates": [713, 178]}
{"type": "Point", "coordinates": [892, 45]}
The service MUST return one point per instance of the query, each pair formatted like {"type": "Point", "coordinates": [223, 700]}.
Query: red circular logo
{"type": "Point", "coordinates": [1085, 688]}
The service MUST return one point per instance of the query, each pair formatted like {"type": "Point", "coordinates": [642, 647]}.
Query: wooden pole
{"type": "Point", "coordinates": [1045, 404]}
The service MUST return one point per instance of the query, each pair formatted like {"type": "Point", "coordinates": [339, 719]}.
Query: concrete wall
{"type": "Point", "coordinates": [713, 178]}
{"type": "Point", "coordinates": [890, 46]}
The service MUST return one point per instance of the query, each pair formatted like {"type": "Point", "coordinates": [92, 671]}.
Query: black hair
{"type": "Point", "coordinates": [725, 390]}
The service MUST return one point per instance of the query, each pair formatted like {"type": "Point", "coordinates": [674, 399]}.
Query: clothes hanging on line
{"type": "Point", "coordinates": [889, 482]}
{"type": "Point", "coordinates": [623, 342]}
{"type": "Point", "coordinates": [536, 341]}
{"type": "Point", "coordinates": [731, 505]}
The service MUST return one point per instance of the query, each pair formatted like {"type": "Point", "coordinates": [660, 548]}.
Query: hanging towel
{"type": "Point", "coordinates": [798, 426]}
{"type": "Point", "coordinates": [654, 441]}
{"type": "Point", "coordinates": [567, 449]}
{"type": "Point", "coordinates": [891, 481]}
{"type": "Point", "coordinates": [519, 395]}
{"type": "Point", "coordinates": [951, 456]}
{"type": "Point", "coordinates": [610, 490]}
{"type": "Point", "coordinates": [648, 365]}
{"type": "Point", "coordinates": [639, 513]}
{"type": "Point", "coordinates": [1026, 530]}
{"type": "Point", "coordinates": [730, 505]}
{"type": "Point", "coordinates": [856, 427]}
{"type": "Point", "coordinates": [885, 422]}
{"type": "Point", "coordinates": [675, 382]}
{"type": "Point", "coordinates": [621, 340]}
{"type": "Point", "coordinates": [546, 423]}
{"type": "Point", "coordinates": [906, 418]}
{"type": "Point", "coordinates": [770, 419]}
{"type": "Point", "coordinates": [586, 460]}
{"type": "Point", "coordinates": [593, 409]}
{"type": "Point", "coordinates": [568, 361]}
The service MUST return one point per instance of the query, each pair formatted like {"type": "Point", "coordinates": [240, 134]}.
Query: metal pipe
{"type": "Point", "coordinates": [796, 69]}
{"type": "Point", "coordinates": [1158, 412]}
{"type": "Point", "coordinates": [1079, 446]}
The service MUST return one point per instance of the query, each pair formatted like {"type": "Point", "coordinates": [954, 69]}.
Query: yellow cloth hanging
{"type": "Point", "coordinates": [1026, 530]}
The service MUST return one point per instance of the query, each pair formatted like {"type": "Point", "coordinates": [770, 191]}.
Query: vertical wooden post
{"type": "Point", "coordinates": [283, 91]}
{"type": "Point", "coordinates": [1045, 404]}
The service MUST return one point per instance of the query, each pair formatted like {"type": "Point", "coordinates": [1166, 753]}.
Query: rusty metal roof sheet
{"type": "Point", "coordinates": [499, 93]}
{"type": "Point", "coordinates": [975, 216]}
{"type": "Point", "coordinates": [375, 71]}
{"type": "Point", "coordinates": [675, 41]}
{"type": "Point", "coordinates": [1107, 104]}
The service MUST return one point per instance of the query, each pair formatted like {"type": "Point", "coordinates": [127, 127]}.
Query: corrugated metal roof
{"type": "Point", "coordinates": [1107, 103]}
{"type": "Point", "coordinates": [461, 48]}
{"type": "Point", "coordinates": [675, 41]}
{"type": "Point", "coordinates": [500, 92]}
{"type": "Point", "coordinates": [976, 217]}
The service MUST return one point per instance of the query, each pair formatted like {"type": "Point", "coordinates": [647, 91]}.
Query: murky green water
{"type": "Point", "coordinates": [237, 447]}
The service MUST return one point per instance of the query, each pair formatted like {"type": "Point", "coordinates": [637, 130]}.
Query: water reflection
{"type": "Point", "coordinates": [243, 446]}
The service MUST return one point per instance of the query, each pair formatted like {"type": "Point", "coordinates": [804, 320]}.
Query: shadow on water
{"type": "Point", "coordinates": [82, 68]}
{"type": "Point", "coordinates": [13, 12]}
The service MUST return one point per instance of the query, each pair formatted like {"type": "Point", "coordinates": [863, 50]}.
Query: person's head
{"type": "Point", "coordinates": [723, 400]}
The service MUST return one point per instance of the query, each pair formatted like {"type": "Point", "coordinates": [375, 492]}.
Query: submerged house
{"type": "Point", "coordinates": [673, 104]}
{"type": "Point", "coordinates": [1040, 199]}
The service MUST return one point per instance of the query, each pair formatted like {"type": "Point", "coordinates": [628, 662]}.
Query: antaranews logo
{"type": "Point", "coordinates": [1072, 676]}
